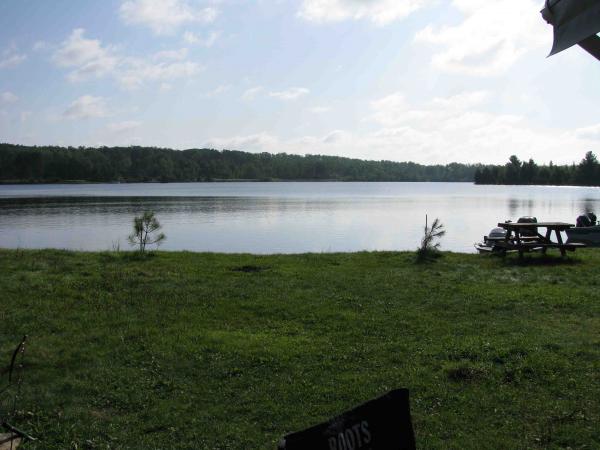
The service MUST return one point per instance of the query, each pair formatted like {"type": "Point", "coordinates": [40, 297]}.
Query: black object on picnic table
{"type": "Point", "coordinates": [380, 424]}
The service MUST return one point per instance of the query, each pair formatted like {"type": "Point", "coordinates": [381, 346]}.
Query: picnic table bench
{"type": "Point", "coordinates": [526, 237]}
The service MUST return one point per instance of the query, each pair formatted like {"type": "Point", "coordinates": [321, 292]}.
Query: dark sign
{"type": "Point", "coordinates": [380, 424]}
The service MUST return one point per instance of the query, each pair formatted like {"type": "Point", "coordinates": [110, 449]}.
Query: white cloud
{"type": "Point", "coordinates": [8, 97]}
{"type": "Point", "coordinates": [138, 71]}
{"type": "Point", "coordinates": [441, 130]}
{"type": "Point", "coordinates": [11, 59]}
{"type": "Point", "coordinates": [394, 109]}
{"type": "Point", "coordinates": [165, 16]}
{"type": "Point", "coordinates": [250, 94]}
{"type": "Point", "coordinates": [25, 115]}
{"type": "Point", "coordinates": [490, 39]}
{"type": "Point", "coordinates": [290, 94]}
{"type": "Point", "coordinates": [40, 46]}
{"type": "Point", "coordinates": [165, 87]}
{"type": "Point", "coordinates": [591, 132]}
{"type": "Point", "coordinates": [217, 91]}
{"type": "Point", "coordinates": [87, 56]}
{"type": "Point", "coordinates": [334, 142]}
{"type": "Point", "coordinates": [459, 128]}
{"type": "Point", "coordinates": [86, 107]}
{"type": "Point", "coordinates": [388, 108]}
{"type": "Point", "coordinates": [319, 109]}
{"type": "Point", "coordinates": [123, 127]}
{"type": "Point", "coordinates": [254, 142]}
{"type": "Point", "coordinates": [380, 12]}
{"type": "Point", "coordinates": [193, 39]}
{"type": "Point", "coordinates": [174, 55]}
{"type": "Point", "coordinates": [335, 137]}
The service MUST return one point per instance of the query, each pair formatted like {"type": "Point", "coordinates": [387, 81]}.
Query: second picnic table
{"type": "Point", "coordinates": [525, 237]}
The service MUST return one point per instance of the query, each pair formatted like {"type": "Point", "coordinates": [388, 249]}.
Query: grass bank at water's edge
{"type": "Point", "coordinates": [192, 350]}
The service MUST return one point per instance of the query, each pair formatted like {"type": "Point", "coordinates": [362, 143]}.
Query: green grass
{"type": "Point", "coordinates": [190, 350]}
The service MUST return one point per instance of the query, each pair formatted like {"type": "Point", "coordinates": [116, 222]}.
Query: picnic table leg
{"type": "Point", "coordinates": [548, 233]}
{"type": "Point", "coordinates": [507, 241]}
{"type": "Point", "coordinates": [502, 251]}
{"type": "Point", "coordinates": [563, 252]}
{"type": "Point", "coordinates": [518, 240]}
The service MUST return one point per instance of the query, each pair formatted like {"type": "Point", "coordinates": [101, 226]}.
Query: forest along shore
{"type": "Point", "coordinates": [23, 164]}
{"type": "Point", "coordinates": [234, 351]}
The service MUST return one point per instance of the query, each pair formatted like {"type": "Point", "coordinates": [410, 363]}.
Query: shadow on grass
{"type": "Point", "coordinates": [127, 256]}
{"type": "Point", "coordinates": [464, 372]}
{"type": "Point", "coordinates": [539, 260]}
{"type": "Point", "coordinates": [249, 269]}
{"type": "Point", "coordinates": [424, 256]}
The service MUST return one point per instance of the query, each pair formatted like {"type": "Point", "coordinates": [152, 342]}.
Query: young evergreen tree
{"type": "Point", "coordinates": [145, 228]}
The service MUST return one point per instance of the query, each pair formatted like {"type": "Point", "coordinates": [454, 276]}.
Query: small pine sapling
{"type": "Point", "coordinates": [429, 247]}
{"type": "Point", "coordinates": [145, 228]}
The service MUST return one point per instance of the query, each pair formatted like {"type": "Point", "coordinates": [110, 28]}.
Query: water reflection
{"type": "Point", "coordinates": [589, 205]}
{"type": "Point", "coordinates": [277, 217]}
{"type": "Point", "coordinates": [513, 206]}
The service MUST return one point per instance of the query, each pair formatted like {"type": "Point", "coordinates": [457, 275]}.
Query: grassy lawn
{"type": "Point", "coordinates": [191, 350]}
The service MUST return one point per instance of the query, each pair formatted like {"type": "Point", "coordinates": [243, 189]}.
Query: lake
{"type": "Point", "coordinates": [287, 217]}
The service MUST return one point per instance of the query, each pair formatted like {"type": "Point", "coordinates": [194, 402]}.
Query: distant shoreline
{"type": "Point", "coordinates": [59, 165]}
{"type": "Point", "coordinates": [34, 183]}
{"type": "Point", "coordinates": [82, 182]}
{"type": "Point", "coordinates": [32, 164]}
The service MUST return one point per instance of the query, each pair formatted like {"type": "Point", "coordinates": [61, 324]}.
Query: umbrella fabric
{"type": "Point", "coordinates": [573, 20]}
{"type": "Point", "coordinates": [592, 46]}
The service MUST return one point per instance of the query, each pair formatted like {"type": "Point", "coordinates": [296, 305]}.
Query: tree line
{"type": "Point", "coordinates": [48, 164]}
{"type": "Point", "coordinates": [586, 173]}
{"type": "Point", "coordinates": [146, 164]}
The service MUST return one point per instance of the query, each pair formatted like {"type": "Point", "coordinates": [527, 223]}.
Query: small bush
{"type": "Point", "coordinates": [145, 228]}
{"type": "Point", "coordinates": [429, 248]}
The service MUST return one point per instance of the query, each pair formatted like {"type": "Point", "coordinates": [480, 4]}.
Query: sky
{"type": "Point", "coordinates": [430, 81]}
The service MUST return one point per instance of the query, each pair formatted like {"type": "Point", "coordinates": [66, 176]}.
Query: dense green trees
{"type": "Point", "coordinates": [138, 164]}
{"type": "Point", "coordinates": [131, 164]}
{"type": "Point", "coordinates": [586, 173]}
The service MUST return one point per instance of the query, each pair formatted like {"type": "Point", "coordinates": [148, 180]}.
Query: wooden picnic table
{"type": "Point", "coordinates": [526, 237]}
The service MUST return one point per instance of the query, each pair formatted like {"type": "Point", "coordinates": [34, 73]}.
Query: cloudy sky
{"type": "Point", "coordinates": [423, 80]}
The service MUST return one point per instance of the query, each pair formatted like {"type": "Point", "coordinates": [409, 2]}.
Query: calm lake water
{"type": "Point", "coordinates": [276, 217]}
